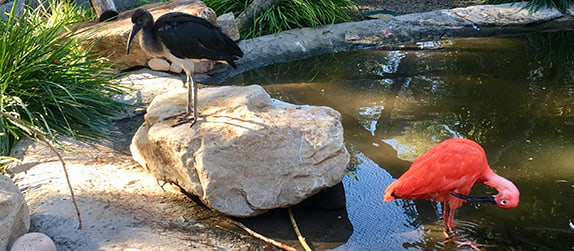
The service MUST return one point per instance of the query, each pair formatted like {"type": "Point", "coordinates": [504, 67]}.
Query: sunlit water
{"type": "Point", "coordinates": [513, 95]}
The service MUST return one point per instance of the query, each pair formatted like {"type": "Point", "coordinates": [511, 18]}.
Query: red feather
{"type": "Point", "coordinates": [453, 166]}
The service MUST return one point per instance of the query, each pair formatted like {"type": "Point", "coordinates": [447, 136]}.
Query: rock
{"type": "Point", "coordinates": [505, 14]}
{"type": "Point", "coordinates": [228, 25]}
{"type": "Point", "coordinates": [203, 65]}
{"type": "Point", "coordinates": [34, 242]}
{"type": "Point", "coordinates": [208, 14]}
{"type": "Point", "coordinates": [14, 215]}
{"type": "Point", "coordinates": [159, 64]}
{"type": "Point", "coordinates": [112, 36]}
{"type": "Point", "coordinates": [175, 68]}
{"type": "Point", "coordinates": [143, 85]}
{"type": "Point", "coordinates": [248, 155]}
{"type": "Point", "coordinates": [7, 7]}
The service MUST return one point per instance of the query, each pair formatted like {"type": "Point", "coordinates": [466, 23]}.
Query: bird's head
{"type": "Point", "coordinates": [507, 198]}
{"type": "Point", "coordinates": [141, 18]}
{"type": "Point", "coordinates": [504, 199]}
{"type": "Point", "coordinates": [508, 194]}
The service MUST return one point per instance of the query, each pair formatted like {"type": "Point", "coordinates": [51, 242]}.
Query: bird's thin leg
{"type": "Point", "coordinates": [191, 99]}
{"type": "Point", "coordinates": [451, 235]}
{"type": "Point", "coordinates": [190, 92]}
{"type": "Point", "coordinates": [448, 217]}
{"type": "Point", "coordinates": [194, 91]}
{"type": "Point", "coordinates": [461, 241]}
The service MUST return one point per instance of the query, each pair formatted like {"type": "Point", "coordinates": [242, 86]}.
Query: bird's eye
{"type": "Point", "coordinates": [503, 202]}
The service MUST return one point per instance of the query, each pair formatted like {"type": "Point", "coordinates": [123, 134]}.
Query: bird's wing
{"type": "Point", "coordinates": [187, 36]}
{"type": "Point", "coordinates": [445, 168]}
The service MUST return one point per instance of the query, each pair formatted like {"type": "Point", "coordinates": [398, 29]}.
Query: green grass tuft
{"type": "Point", "coordinates": [50, 82]}
{"type": "Point", "coordinates": [287, 14]}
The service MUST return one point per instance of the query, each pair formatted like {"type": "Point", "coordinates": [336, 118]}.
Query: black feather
{"type": "Point", "coordinates": [188, 36]}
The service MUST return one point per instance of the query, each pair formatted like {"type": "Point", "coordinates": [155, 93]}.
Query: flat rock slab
{"type": "Point", "coordinates": [249, 154]}
{"type": "Point", "coordinates": [505, 14]}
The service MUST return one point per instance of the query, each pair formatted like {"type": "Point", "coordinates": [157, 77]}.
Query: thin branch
{"type": "Point", "coordinates": [266, 239]}
{"type": "Point", "coordinates": [41, 137]}
{"type": "Point", "coordinates": [302, 239]}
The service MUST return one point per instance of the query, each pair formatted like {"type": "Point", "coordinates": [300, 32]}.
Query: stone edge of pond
{"type": "Point", "coordinates": [391, 33]}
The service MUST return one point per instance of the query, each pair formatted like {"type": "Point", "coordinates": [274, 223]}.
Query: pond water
{"type": "Point", "coordinates": [513, 95]}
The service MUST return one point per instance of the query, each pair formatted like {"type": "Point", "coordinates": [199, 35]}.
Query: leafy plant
{"type": "Point", "coordinates": [287, 14]}
{"type": "Point", "coordinates": [535, 5]}
{"type": "Point", "coordinates": [49, 82]}
{"type": "Point", "coordinates": [225, 6]}
{"type": "Point", "coordinates": [66, 11]}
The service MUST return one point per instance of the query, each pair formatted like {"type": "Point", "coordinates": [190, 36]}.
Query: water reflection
{"type": "Point", "coordinates": [322, 218]}
{"type": "Point", "coordinates": [513, 95]}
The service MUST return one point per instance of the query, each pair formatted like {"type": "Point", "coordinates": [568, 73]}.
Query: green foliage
{"type": "Point", "coordinates": [224, 6]}
{"type": "Point", "coordinates": [66, 11]}
{"type": "Point", "coordinates": [535, 5]}
{"type": "Point", "coordinates": [50, 82]}
{"type": "Point", "coordinates": [287, 14]}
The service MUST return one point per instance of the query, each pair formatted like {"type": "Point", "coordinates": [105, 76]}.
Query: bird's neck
{"type": "Point", "coordinates": [498, 182]}
{"type": "Point", "coordinates": [152, 45]}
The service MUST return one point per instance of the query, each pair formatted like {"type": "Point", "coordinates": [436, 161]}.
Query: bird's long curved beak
{"type": "Point", "coordinates": [135, 31]}
{"type": "Point", "coordinates": [487, 199]}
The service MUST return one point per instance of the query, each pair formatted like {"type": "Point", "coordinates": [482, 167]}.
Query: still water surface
{"type": "Point", "coordinates": [513, 95]}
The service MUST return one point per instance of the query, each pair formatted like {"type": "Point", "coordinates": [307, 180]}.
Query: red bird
{"type": "Point", "coordinates": [446, 173]}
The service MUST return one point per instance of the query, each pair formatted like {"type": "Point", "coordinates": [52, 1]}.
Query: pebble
{"type": "Point", "coordinates": [34, 242]}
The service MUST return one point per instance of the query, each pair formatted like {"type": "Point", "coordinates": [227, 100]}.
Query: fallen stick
{"type": "Point", "coordinates": [265, 239]}
{"type": "Point", "coordinates": [41, 137]}
{"type": "Point", "coordinates": [302, 239]}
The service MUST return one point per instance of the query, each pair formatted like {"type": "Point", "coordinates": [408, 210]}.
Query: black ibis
{"type": "Point", "coordinates": [181, 37]}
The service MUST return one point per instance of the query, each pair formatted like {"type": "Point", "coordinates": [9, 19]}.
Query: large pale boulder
{"type": "Point", "coordinates": [250, 153]}
{"type": "Point", "coordinates": [14, 215]}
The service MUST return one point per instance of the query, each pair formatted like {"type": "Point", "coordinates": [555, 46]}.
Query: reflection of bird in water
{"type": "Point", "coordinates": [446, 173]}
{"type": "Point", "coordinates": [182, 37]}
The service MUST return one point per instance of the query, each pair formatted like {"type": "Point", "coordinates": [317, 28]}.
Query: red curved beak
{"type": "Point", "coordinates": [487, 199]}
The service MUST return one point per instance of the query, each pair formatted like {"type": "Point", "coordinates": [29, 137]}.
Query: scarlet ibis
{"type": "Point", "coordinates": [446, 173]}
{"type": "Point", "coordinates": [181, 37]}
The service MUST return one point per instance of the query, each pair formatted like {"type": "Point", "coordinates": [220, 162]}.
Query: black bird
{"type": "Point", "coordinates": [181, 37]}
